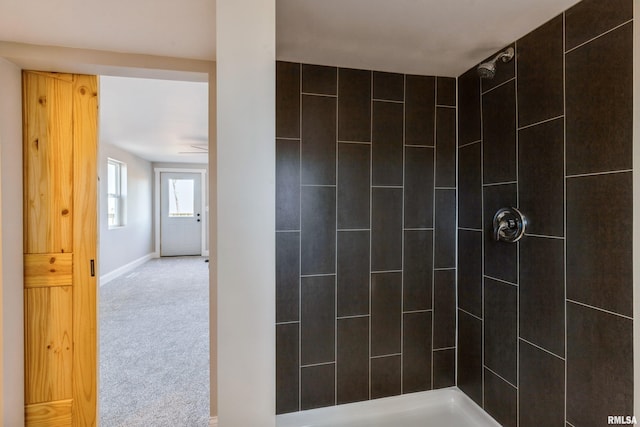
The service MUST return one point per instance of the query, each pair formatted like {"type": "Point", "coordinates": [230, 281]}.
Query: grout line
{"type": "Point", "coordinates": [387, 100]}
{"type": "Point", "coordinates": [335, 265]}
{"type": "Point", "coordinates": [561, 116]}
{"type": "Point", "coordinates": [354, 142]}
{"type": "Point", "coordinates": [496, 87]}
{"type": "Point", "coordinates": [564, 200]}
{"type": "Point", "coordinates": [311, 365]}
{"type": "Point", "coordinates": [444, 106]}
{"type": "Point", "coordinates": [580, 175]}
{"type": "Point", "coordinates": [388, 355]}
{"type": "Point", "coordinates": [470, 229]}
{"type": "Point", "coordinates": [287, 138]}
{"type": "Point", "coordinates": [445, 188]}
{"type": "Point", "coordinates": [318, 185]}
{"type": "Point", "coordinates": [444, 268]}
{"type": "Point", "coordinates": [470, 314]}
{"type": "Point", "coordinates": [417, 311]}
{"type": "Point", "coordinates": [517, 308]}
{"type": "Point", "coordinates": [543, 236]}
{"type": "Point", "coordinates": [287, 231]}
{"type": "Point", "coordinates": [435, 222]}
{"type": "Point", "coordinates": [541, 348]}
{"type": "Point", "coordinates": [404, 162]}
{"type": "Point", "coordinates": [317, 275]}
{"type": "Point", "coordinates": [501, 281]}
{"type": "Point", "coordinates": [482, 231]}
{"type": "Point", "coordinates": [387, 186]}
{"type": "Point", "coordinates": [386, 271]}
{"type": "Point", "coordinates": [569, 424]}
{"type": "Point", "coordinates": [444, 348]}
{"type": "Point", "coordinates": [326, 95]}
{"type": "Point", "coordinates": [355, 316]}
{"type": "Point", "coordinates": [352, 229]}
{"type": "Point", "coordinates": [598, 36]}
{"type": "Point", "coordinates": [469, 144]}
{"type": "Point", "coordinates": [300, 252]}
{"type": "Point", "coordinates": [370, 233]}
{"type": "Point", "coordinates": [419, 146]}
{"type": "Point", "coordinates": [456, 231]}
{"type": "Point", "coordinates": [499, 376]}
{"type": "Point", "coordinates": [493, 184]}
{"type": "Point", "coordinates": [418, 229]}
{"type": "Point", "coordinates": [613, 313]}
{"type": "Point", "coordinates": [291, 322]}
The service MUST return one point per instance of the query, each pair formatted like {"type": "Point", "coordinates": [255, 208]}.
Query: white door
{"type": "Point", "coordinates": [181, 216]}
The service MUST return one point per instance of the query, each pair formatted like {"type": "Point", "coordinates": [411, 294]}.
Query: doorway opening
{"type": "Point", "coordinates": [154, 276]}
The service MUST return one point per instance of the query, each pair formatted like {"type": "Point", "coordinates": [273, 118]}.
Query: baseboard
{"type": "Point", "coordinates": [106, 278]}
{"type": "Point", "coordinates": [205, 253]}
{"type": "Point", "coordinates": [213, 422]}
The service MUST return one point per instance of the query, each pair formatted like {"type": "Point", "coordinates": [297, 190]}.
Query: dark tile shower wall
{"type": "Point", "coordinates": [365, 240]}
{"type": "Point", "coordinates": [550, 134]}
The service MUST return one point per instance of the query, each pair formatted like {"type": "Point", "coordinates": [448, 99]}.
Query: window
{"type": "Point", "coordinates": [181, 198]}
{"type": "Point", "coordinates": [116, 193]}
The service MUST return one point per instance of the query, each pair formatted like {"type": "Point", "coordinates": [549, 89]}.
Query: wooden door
{"type": "Point", "coordinates": [60, 233]}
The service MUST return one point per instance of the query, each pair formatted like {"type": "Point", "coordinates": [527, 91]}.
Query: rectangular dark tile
{"type": "Point", "coordinates": [446, 91]}
{"type": "Point", "coordinates": [318, 140]}
{"type": "Point", "coordinates": [287, 99]}
{"type": "Point", "coordinates": [600, 104]}
{"type": "Point", "coordinates": [500, 400]}
{"type": "Point", "coordinates": [445, 229]}
{"type": "Point", "coordinates": [418, 187]}
{"type": "Point", "coordinates": [541, 390]}
{"type": "Point", "coordinates": [353, 360]}
{"type": "Point", "coordinates": [599, 365]}
{"type": "Point", "coordinates": [420, 104]}
{"type": "Point", "coordinates": [501, 329]}
{"type": "Point", "coordinates": [470, 271]}
{"type": "Point", "coordinates": [505, 71]}
{"type": "Point", "coordinates": [354, 172]}
{"type": "Point", "coordinates": [287, 368]}
{"type": "Point", "coordinates": [469, 117]}
{"type": "Point", "coordinates": [287, 276]}
{"type": "Point", "coordinates": [386, 313]}
{"type": "Point", "coordinates": [287, 184]}
{"type": "Point", "coordinates": [386, 148]}
{"type": "Point", "coordinates": [318, 314]}
{"type": "Point", "coordinates": [590, 18]}
{"type": "Point", "coordinates": [386, 229]}
{"type": "Point", "coordinates": [445, 147]}
{"type": "Point", "coordinates": [386, 379]}
{"type": "Point", "coordinates": [500, 258]}
{"type": "Point", "coordinates": [444, 309]}
{"type": "Point", "coordinates": [542, 293]}
{"type": "Point", "coordinates": [444, 368]}
{"type": "Point", "coordinates": [499, 134]}
{"type": "Point", "coordinates": [319, 79]}
{"type": "Point", "coordinates": [418, 269]}
{"type": "Point", "coordinates": [354, 105]}
{"type": "Point", "coordinates": [599, 256]}
{"type": "Point", "coordinates": [388, 86]}
{"type": "Point", "coordinates": [470, 186]}
{"type": "Point", "coordinates": [541, 74]}
{"type": "Point", "coordinates": [353, 273]}
{"type": "Point", "coordinates": [470, 356]}
{"type": "Point", "coordinates": [318, 388]}
{"type": "Point", "coordinates": [416, 352]}
{"type": "Point", "coordinates": [318, 230]}
{"type": "Point", "coordinates": [541, 177]}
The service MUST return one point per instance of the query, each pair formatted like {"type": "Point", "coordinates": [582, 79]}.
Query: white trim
{"type": "Point", "coordinates": [106, 278]}
{"type": "Point", "coordinates": [204, 208]}
{"type": "Point", "coordinates": [213, 422]}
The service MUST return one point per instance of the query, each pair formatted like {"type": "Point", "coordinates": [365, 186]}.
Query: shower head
{"type": "Point", "coordinates": [487, 70]}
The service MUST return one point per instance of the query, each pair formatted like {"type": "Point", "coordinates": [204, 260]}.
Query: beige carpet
{"type": "Point", "coordinates": [154, 345]}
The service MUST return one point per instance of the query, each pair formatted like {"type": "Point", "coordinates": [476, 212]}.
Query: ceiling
{"type": "Point", "coordinates": [156, 119]}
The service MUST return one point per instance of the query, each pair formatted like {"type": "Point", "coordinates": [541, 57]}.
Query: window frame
{"type": "Point", "coordinates": [119, 196]}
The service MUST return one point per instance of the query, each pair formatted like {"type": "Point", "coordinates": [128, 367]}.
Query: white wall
{"type": "Point", "coordinates": [123, 245]}
{"type": "Point", "coordinates": [12, 391]}
{"type": "Point", "coordinates": [246, 212]}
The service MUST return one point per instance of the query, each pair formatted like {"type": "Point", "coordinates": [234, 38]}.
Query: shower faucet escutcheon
{"type": "Point", "coordinates": [509, 225]}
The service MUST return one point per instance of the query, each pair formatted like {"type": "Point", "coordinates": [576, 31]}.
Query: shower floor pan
{"type": "Point", "coordinates": [447, 407]}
